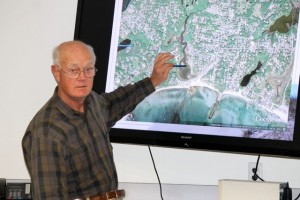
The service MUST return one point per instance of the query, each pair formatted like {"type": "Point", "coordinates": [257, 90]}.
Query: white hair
{"type": "Point", "coordinates": [56, 52]}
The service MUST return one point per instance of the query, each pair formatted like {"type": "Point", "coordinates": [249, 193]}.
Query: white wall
{"type": "Point", "coordinates": [29, 30]}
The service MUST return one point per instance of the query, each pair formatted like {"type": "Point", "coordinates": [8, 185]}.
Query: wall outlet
{"type": "Point", "coordinates": [251, 167]}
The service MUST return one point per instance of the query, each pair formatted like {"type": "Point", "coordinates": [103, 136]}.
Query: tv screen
{"type": "Point", "coordinates": [236, 84]}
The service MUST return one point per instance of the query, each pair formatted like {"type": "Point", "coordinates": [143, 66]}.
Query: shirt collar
{"type": "Point", "coordinates": [65, 108]}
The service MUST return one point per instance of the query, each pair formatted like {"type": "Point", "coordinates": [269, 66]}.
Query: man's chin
{"type": "Point", "coordinates": [81, 95]}
{"type": "Point", "coordinates": [81, 91]}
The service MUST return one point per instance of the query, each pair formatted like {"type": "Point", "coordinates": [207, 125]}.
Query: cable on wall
{"type": "Point", "coordinates": [160, 188]}
{"type": "Point", "coordinates": [254, 170]}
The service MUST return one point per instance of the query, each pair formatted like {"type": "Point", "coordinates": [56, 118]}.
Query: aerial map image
{"type": "Point", "coordinates": [236, 60]}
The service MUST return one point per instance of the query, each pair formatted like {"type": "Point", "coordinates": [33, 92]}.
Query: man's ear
{"type": "Point", "coordinates": [56, 72]}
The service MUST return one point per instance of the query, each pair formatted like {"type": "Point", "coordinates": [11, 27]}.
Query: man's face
{"type": "Point", "coordinates": [72, 90]}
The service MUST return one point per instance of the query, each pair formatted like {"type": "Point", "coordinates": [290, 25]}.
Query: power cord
{"type": "Point", "coordinates": [287, 191]}
{"type": "Point", "coordinates": [254, 170]}
{"type": "Point", "coordinates": [160, 188]}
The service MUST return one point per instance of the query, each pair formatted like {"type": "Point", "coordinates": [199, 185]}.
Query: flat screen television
{"type": "Point", "coordinates": [238, 89]}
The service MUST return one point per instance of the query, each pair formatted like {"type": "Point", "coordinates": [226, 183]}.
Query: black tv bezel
{"type": "Point", "coordinates": [94, 22]}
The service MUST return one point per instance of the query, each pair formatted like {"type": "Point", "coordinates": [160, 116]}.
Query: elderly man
{"type": "Point", "coordinates": [66, 145]}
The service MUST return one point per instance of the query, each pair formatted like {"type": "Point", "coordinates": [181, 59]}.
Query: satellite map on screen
{"type": "Point", "coordinates": [239, 58]}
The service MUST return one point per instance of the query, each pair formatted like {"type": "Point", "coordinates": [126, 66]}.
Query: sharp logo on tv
{"type": "Point", "coordinates": [186, 137]}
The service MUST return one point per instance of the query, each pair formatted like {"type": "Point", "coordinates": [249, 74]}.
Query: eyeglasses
{"type": "Point", "coordinates": [89, 72]}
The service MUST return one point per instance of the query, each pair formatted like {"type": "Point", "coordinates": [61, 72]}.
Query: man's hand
{"type": "Point", "coordinates": [161, 68]}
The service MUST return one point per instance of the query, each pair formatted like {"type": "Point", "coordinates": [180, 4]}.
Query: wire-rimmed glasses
{"type": "Point", "coordinates": [89, 72]}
